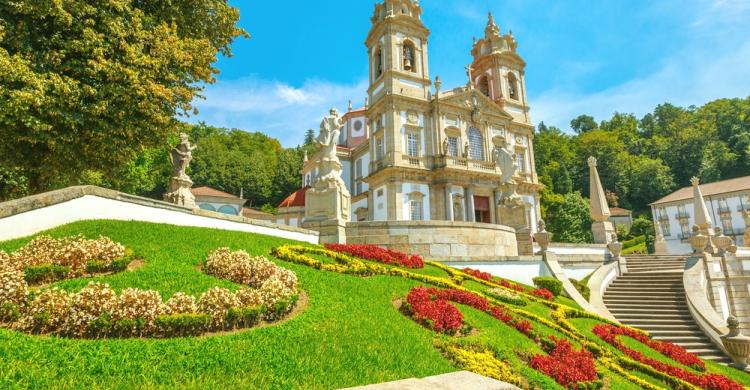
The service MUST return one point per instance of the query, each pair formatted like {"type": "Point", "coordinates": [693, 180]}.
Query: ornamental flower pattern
{"type": "Point", "coordinates": [381, 255]}
{"type": "Point", "coordinates": [74, 252]}
{"type": "Point", "coordinates": [565, 365]}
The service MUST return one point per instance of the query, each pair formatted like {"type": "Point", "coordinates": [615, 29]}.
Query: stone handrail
{"type": "Point", "coordinates": [704, 314]}
{"type": "Point", "coordinates": [550, 259]}
{"type": "Point", "coordinates": [598, 283]}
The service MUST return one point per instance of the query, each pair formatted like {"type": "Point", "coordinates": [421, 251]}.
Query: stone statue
{"type": "Point", "coordinates": [466, 150]}
{"type": "Point", "coordinates": [505, 159]}
{"type": "Point", "coordinates": [180, 183]}
{"type": "Point", "coordinates": [180, 156]}
{"type": "Point", "coordinates": [446, 147]}
{"type": "Point", "coordinates": [330, 129]}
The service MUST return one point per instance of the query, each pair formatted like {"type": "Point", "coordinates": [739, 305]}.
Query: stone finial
{"type": "Point", "coordinates": [492, 27]}
{"type": "Point", "coordinates": [542, 226]}
{"type": "Point", "coordinates": [615, 247]}
{"type": "Point", "coordinates": [350, 106]}
{"type": "Point", "coordinates": [737, 345]}
{"type": "Point", "coordinates": [438, 83]}
{"type": "Point", "coordinates": [542, 237]}
{"type": "Point", "coordinates": [722, 242]}
{"type": "Point", "coordinates": [599, 208]}
{"type": "Point", "coordinates": [698, 241]}
{"type": "Point", "coordinates": [702, 217]}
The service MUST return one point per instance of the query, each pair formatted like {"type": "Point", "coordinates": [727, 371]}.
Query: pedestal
{"type": "Point", "coordinates": [331, 231]}
{"type": "Point", "coordinates": [660, 248]}
{"type": "Point", "coordinates": [179, 192]}
{"type": "Point", "coordinates": [327, 201]}
{"type": "Point", "coordinates": [513, 216]}
{"type": "Point", "coordinates": [603, 232]}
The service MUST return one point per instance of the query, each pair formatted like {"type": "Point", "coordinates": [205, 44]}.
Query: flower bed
{"type": "Point", "coordinates": [97, 311]}
{"type": "Point", "coordinates": [376, 253]}
{"type": "Point", "coordinates": [543, 293]}
{"type": "Point", "coordinates": [570, 368]}
{"type": "Point", "coordinates": [478, 274]}
{"type": "Point", "coordinates": [610, 333]}
{"type": "Point", "coordinates": [76, 253]}
{"type": "Point", "coordinates": [482, 362]}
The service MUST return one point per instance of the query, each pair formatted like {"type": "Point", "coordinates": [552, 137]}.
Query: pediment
{"type": "Point", "coordinates": [468, 99]}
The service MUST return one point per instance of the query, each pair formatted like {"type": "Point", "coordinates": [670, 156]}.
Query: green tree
{"type": "Point", "coordinates": [87, 85]}
{"type": "Point", "coordinates": [309, 137]}
{"type": "Point", "coordinates": [583, 123]}
{"type": "Point", "coordinates": [567, 216]}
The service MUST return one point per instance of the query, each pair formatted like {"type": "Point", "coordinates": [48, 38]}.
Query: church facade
{"type": "Point", "coordinates": [420, 152]}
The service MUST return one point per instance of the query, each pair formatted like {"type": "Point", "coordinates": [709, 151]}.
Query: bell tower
{"type": "Point", "coordinates": [397, 50]}
{"type": "Point", "coordinates": [498, 71]}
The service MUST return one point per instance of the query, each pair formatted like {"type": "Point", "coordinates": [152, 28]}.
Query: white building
{"type": "Point", "coordinates": [726, 200]}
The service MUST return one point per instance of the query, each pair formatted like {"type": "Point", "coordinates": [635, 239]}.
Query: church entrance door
{"type": "Point", "coordinates": [482, 209]}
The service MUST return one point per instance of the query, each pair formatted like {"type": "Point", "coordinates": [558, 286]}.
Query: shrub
{"type": "Point", "coordinates": [9, 312]}
{"type": "Point", "coordinates": [243, 317]}
{"type": "Point", "coordinates": [249, 297]}
{"type": "Point", "coordinates": [582, 288]}
{"type": "Point", "coordinates": [543, 293]}
{"type": "Point", "coordinates": [274, 290]}
{"type": "Point", "coordinates": [239, 267]}
{"type": "Point", "coordinates": [13, 286]}
{"type": "Point", "coordinates": [137, 305]}
{"type": "Point", "coordinates": [566, 366]}
{"type": "Point", "coordinates": [75, 252]}
{"type": "Point", "coordinates": [89, 304]}
{"type": "Point", "coordinates": [48, 273]}
{"type": "Point", "coordinates": [184, 324]}
{"type": "Point", "coordinates": [216, 302]}
{"type": "Point", "coordinates": [180, 303]}
{"type": "Point", "coordinates": [48, 312]}
{"type": "Point", "coordinates": [381, 255]}
{"type": "Point", "coordinates": [550, 284]}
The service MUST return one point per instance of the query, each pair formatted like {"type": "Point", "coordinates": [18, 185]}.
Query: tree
{"type": "Point", "coordinates": [309, 137]}
{"type": "Point", "coordinates": [87, 85]}
{"type": "Point", "coordinates": [583, 123]}
{"type": "Point", "coordinates": [568, 217]}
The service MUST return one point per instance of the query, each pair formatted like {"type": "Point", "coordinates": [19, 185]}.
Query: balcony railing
{"type": "Point", "coordinates": [743, 207]}
{"type": "Point", "coordinates": [465, 163]}
{"type": "Point", "coordinates": [682, 215]}
{"type": "Point", "coordinates": [725, 210]}
{"type": "Point", "coordinates": [663, 218]}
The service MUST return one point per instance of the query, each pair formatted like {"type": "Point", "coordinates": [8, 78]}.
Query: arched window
{"type": "Point", "coordinates": [512, 86]}
{"type": "Point", "coordinates": [484, 86]}
{"type": "Point", "coordinates": [409, 57]}
{"type": "Point", "coordinates": [378, 62]}
{"type": "Point", "coordinates": [207, 207]}
{"type": "Point", "coordinates": [226, 209]}
{"type": "Point", "coordinates": [476, 145]}
{"type": "Point", "coordinates": [416, 206]}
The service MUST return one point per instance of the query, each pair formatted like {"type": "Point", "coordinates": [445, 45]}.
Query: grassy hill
{"type": "Point", "coordinates": [350, 334]}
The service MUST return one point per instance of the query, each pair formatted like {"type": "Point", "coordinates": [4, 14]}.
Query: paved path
{"type": "Point", "coordinates": [462, 380]}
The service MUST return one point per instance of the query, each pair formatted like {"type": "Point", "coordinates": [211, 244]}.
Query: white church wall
{"type": "Point", "coordinates": [408, 188]}
{"type": "Point", "coordinates": [380, 208]}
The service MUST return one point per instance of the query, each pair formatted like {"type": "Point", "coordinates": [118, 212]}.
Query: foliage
{"type": "Point", "coordinates": [568, 217]}
{"type": "Point", "coordinates": [582, 287]}
{"type": "Point", "coordinates": [481, 362]}
{"type": "Point", "coordinates": [45, 273]}
{"type": "Point", "coordinates": [86, 85]}
{"type": "Point", "coordinates": [549, 283]}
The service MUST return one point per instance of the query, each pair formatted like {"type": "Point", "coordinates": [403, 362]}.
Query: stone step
{"type": "Point", "coordinates": [683, 327]}
{"type": "Point", "coordinates": [646, 284]}
{"type": "Point", "coordinates": [679, 318]}
{"type": "Point", "coordinates": [683, 340]}
{"type": "Point", "coordinates": [647, 277]}
{"type": "Point", "coordinates": [644, 298]}
{"type": "Point", "coordinates": [701, 352]}
{"type": "Point", "coordinates": [650, 311]}
{"type": "Point", "coordinates": [649, 289]}
{"type": "Point", "coordinates": [667, 334]}
{"type": "Point", "coordinates": [637, 292]}
{"type": "Point", "coordinates": [655, 321]}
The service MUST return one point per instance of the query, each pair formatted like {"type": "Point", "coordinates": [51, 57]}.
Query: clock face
{"type": "Point", "coordinates": [358, 126]}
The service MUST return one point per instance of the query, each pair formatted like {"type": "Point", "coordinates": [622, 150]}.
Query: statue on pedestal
{"type": "Point", "coordinates": [180, 183]}
{"type": "Point", "coordinates": [328, 199]}
{"type": "Point", "coordinates": [505, 160]}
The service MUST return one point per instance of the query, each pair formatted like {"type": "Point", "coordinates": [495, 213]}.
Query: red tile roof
{"type": "Point", "coordinates": [709, 189]}
{"type": "Point", "coordinates": [297, 199]}
{"type": "Point", "coordinates": [208, 191]}
{"type": "Point", "coordinates": [619, 212]}
{"type": "Point", "coordinates": [252, 213]}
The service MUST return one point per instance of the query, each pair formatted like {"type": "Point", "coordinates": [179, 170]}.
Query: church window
{"type": "Point", "coordinates": [484, 86]}
{"type": "Point", "coordinates": [666, 231]}
{"type": "Point", "coordinates": [685, 229]}
{"type": "Point", "coordinates": [379, 148]}
{"type": "Point", "coordinates": [512, 86]}
{"type": "Point", "coordinates": [416, 205]}
{"type": "Point", "coordinates": [409, 57]}
{"type": "Point", "coordinates": [521, 159]}
{"type": "Point", "coordinates": [476, 145]}
{"type": "Point", "coordinates": [726, 223]}
{"type": "Point", "coordinates": [412, 144]}
{"type": "Point", "coordinates": [453, 146]}
{"type": "Point", "coordinates": [379, 62]}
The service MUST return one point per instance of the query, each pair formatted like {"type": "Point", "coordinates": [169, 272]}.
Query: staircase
{"type": "Point", "coordinates": [651, 296]}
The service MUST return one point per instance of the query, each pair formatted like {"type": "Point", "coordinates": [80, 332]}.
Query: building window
{"type": "Point", "coordinates": [207, 207]}
{"type": "Point", "coordinates": [379, 62]}
{"type": "Point", "coordinates": [724, 207]}
{"type": "Point", "coordinates": [512, 86]}
{"type": "Point", "coordinates": [416, 205]}
{"type": "Point", "coordinates": [453, 146]}
{"type": "Point", "coordinates": [682, 212]}
{"type": "Point", "coordinates": [726, 223]}
{"type": "Point", "coordinates": [412, 144]}
{"type": "Point", "coordinates": [379, 148]}
{"type": "Point", "coordinates": [666, 231]}
{"type": "Point", "coordinates": [358, 177]}
{"type": "Point", "coordinates": [409, 57]}
{"type": "Point", "coordinates": [521, 160]}
{"type": "Point", "coordinates": [484, 86]}
{"type": "Point", "coordinates": [226, 209]}
{"type": "Point", "coordinates": [684, 230]}
{"type": "Point", "coordinates": [476, 145]}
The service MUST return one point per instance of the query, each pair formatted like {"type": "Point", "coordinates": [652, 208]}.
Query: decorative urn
{"type": "Point", "coordinates": [543, 237]}
{"type": "Point", "coordinates": [615, 247]}
{"type": "Point", "coordinates": [721, 241]}
{"type": "Point", "coordinates": [737, 345]}
{"type": "Point", "coordinates": [698, 241]}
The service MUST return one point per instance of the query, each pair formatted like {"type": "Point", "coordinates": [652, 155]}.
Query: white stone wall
{"type": "Point", "coordinates": [362, 203]}
{"type": "Point", "coordinates": [408, 188]}
{"type": "Point", "coordinates": [89, 207]}
{"type": "Point", "coordinates": [380, 208]}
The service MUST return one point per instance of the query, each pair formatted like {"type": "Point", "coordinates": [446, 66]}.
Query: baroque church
{"type": "Point", "coordinates": [418, 151]}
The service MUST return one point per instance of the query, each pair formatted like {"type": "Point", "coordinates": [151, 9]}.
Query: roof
{"type": "Point", "coordinates": [254, 214]}
{"type": "Point", "coordinates": [208, 191]}
{"type": "Point", "coordinates": [296, 199]}
{"type": "Point", "coordinates": [710, 189]}
{"type": "Point", "coordinates": [619, 212]}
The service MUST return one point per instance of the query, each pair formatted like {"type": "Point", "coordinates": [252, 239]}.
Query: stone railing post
{"type": "Point", "coordinates": [722, 242]}
{"type": "Point", "coordinates": [699, 241]}
{"type": "Point", "coordinates": [615, 249]}
{"type": "Point", "coordinates": [543, 237]}
{"type": "Point", "coordinates": [737, 345]}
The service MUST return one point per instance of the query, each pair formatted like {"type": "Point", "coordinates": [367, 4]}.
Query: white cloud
{"type": "Point", "coordinates": [275, 108]}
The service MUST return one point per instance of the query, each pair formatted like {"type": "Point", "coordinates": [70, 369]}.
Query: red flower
{"type": "Point", "coordinates": [478, 274]}
{"type": "Point", "coordinates": [381, 255]}
{"type": "Point", "coordinates": [436, 313]}
{"type": "Point", "coordinates": [609, 334]}
{"type": "Point", "coordinates": [566, 366]}
{"type": "Point", "coordinates": [544, 294]}
{"type": "Point", "coordinates": [512, 286]}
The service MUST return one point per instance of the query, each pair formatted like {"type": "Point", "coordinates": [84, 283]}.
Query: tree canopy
{"type": "Point", "coordinates": [88, 85]}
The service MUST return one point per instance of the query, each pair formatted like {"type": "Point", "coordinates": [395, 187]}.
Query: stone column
{"type": "Point", "coordinates": [746, 238]}
{"type": "Point", "coordinates": [448, 203]}
{"type": "Point", "coordinates": [493, 208]}
{"type": "Point", "coordinates": [470, 204]}
{"type": "Point", "coordinates": [496, 197]}
{"type": "Point", "coordinates": [660, 244]}
{"type": "Point", "coordinates": [602, 227]}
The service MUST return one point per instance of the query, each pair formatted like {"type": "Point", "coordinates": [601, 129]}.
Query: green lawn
{"type": "Point", "coordinates": [350, 334]}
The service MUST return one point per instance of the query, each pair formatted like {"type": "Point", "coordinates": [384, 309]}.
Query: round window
{"type": "Point", "coordinates": [358, 125]}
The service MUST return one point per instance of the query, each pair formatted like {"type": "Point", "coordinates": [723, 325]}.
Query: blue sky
{"type": "Point", "coordinates": [583, 56]}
